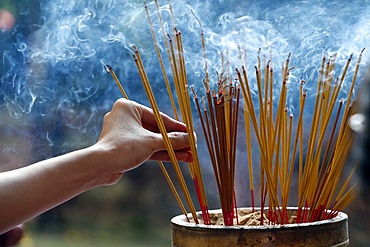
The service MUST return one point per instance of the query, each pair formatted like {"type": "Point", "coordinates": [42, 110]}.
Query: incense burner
{"type": "Point", "coordinates": [332, 232]}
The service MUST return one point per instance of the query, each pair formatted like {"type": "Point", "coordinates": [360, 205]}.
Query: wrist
{"type": "Point", "coordinates": [102, 164]}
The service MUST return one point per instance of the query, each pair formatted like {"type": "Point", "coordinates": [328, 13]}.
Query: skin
{"type": "Point", "coordinates": [7, 20]}
{"type": "Point", "coordinates": [128, 138]}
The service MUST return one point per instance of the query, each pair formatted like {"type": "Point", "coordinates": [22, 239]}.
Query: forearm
{"type": "Point", "coordinates": [32, 190]}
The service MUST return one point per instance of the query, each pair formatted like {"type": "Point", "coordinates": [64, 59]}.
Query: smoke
{"type": "Point", "coordinates": [54, 87]}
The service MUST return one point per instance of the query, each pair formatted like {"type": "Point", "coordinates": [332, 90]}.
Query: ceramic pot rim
{"type": "Point", "coordinates": [180, 220]}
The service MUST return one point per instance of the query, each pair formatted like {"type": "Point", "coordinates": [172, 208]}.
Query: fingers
{"type": "Point", "coordinates": [149, 121]}
{"type": "Point", "coordinates": [179, 140]}
{"type": "Point", "coordinates": [180, 145]}
{"type": "Point", "coordinates": [184, 156]}
{"type": "Point", "coordinates": [146, 129]}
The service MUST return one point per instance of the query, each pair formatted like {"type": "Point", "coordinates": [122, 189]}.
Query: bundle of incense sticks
{"type": "Point", "coordinates": [281, 140]}
{"type": "Point", "coordinates": [220, 129]}
{"type": "Point", "coordinates": [320, 170]}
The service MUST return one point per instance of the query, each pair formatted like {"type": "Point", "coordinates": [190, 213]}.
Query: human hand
{"type": "Point", "coordinates": [131, 136]}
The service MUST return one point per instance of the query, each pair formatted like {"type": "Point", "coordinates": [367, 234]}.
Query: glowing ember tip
{"type": "Point", "coordinates": [107, 68]}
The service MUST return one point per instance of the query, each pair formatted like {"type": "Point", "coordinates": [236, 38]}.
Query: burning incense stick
{"type": "Point", "coordinates": [110, 70]}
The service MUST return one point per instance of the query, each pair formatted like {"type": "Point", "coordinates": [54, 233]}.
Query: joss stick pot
{"type": "Point", "coordinates": [332, 232]}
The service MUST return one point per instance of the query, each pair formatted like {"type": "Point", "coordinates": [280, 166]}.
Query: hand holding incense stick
{"type": "Point", "coordinates": [140, 132]}
{"type": "Point", "coordinates": [128, 138]}
{"type": "Point", "coordinates": [110, 70]}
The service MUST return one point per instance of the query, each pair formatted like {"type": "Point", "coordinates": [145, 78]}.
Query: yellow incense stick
{"type": "Point", "coordinates": [163, 131]}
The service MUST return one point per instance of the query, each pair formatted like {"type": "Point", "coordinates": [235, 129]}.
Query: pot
{"type": "Point", "coordinates": [331, 232]}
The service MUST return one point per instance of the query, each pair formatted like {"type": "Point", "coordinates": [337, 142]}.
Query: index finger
{"type": "Point", "coordinates": [149, 122]}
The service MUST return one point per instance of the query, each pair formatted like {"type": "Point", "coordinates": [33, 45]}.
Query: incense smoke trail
{"type": "Point", "coordinates": [54, 87]}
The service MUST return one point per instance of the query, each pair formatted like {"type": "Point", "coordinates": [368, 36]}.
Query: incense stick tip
{"type": "Point", "coordinates": [107, 68]}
